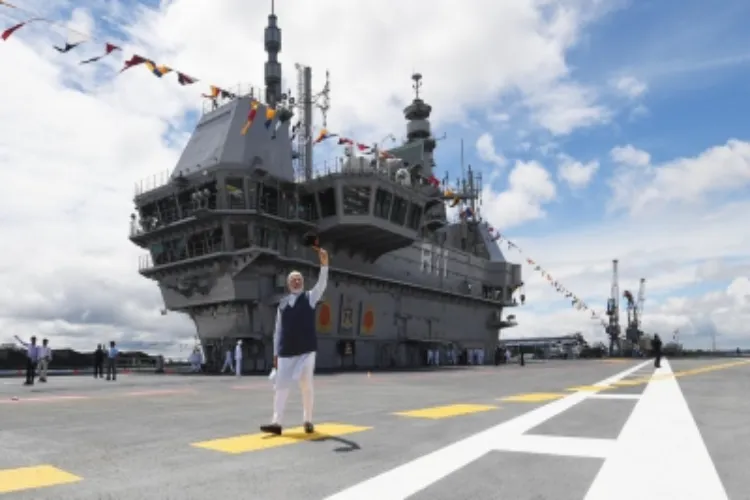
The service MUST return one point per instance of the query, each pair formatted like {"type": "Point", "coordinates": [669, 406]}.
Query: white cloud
{"type": "Point", "coordinates": [529, 189]}
{"type": "Point", "coordinates": [576, 174]}
{"type": "Point", "coordinates": [629, 86]}
{"type": "Point", "coordinates": [639, 186]}
{"type": "Point", "coordinates": [629, 155]}
{"type": "Point", "coordinates": [486, 150]}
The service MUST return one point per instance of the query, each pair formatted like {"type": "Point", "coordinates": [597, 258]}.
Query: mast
{"type": "Point", "coordinates": [272, 71]}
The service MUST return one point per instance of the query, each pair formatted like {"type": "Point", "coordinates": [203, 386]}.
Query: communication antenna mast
{"type": "Point", "coordinates": [322, 100]}
{"type": "Point", "coordinates": [305, 103]}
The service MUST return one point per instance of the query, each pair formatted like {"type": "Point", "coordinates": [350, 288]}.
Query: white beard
{"type": "Point", "coordinates": [296, 290]}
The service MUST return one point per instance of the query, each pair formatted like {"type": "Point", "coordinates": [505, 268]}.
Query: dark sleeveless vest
{"type": "Point", "coordinates": [298, 335]}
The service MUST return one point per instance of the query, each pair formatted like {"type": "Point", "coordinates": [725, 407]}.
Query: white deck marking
{"type": "Point", "coordinates": [615, 396]}
{"type": "Point", "coordinates": [661, 439]}
{"type": "Point", "coordinates": [560, 445]}
{"type": "Point", "coordinates": [412, 477]}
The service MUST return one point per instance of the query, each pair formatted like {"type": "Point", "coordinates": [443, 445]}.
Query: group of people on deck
{"type": "Point", "coordinates": [38, 358]}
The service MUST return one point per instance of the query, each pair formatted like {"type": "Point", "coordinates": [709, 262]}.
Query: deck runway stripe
{"type": "Point", "coordinates": [261, 441]}
{"type": "Point", "coordinates": [448, 411]}
{"type": "Point", "coordinates": [588, 388]}
{"type": "Point", "coordinates": [41, 476]}
{"type": "Point", "coordinates": [533, 397]}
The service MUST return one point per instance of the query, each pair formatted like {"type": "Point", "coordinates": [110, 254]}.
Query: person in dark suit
{"type": "Point", "coordinates": [99, 362]}
{"type": "Point", "coordinates": [656, 347]}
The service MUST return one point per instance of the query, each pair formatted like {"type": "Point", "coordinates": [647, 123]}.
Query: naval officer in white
{"type": "Point", "coordinates": [295, 343]}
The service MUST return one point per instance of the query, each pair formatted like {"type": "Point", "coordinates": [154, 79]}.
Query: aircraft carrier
{"type": "Point", "coordinates": [225, 227]}
{"type": "Point", "coordinates": [551, 430]}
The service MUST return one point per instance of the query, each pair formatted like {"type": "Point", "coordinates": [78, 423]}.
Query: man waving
{"type": "Point", "coordinates": [294, 345]}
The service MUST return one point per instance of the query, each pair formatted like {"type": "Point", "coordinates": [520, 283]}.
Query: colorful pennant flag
{"type": "Point", "coordinates": [9, 32]}
{"type": "Point", "coordinates": [250, 116]}
{"type": "Point", "coordinates": [157, 70]}
{"type": "Point", "coordinates": [183, 79]}
{"type": "Point", "coordinates": [135, 60]}
{"type": "Point", "coordinates": [576, 302]}
{"type": "Point", "coordinates": [67, 48]}
{"type": "Point", "coordinates": [270, 115]}
{"type": "Point", "coordinates": [108, 49]}
{"type": "Point", "coordinates": [324, 135]}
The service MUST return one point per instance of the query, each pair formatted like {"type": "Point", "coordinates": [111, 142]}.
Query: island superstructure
{"type": "Point", "coordinates": [225, 227]}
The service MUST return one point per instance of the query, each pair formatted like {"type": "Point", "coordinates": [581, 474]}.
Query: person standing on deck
{"type": "Point", "coordinates": [112, 361]}
{"type": "Point", "coordinates": [295, 344]}
{"type": "Point", "coordinates": [238, 359]}
{"type": "Point", "coordinates": [99, 362]}
{"type": "Point", "coordinates": [227, 361]}
{"type": "Point", "coordinates": [656, 346]}
{"type": "Point", "coordinates": [32, 356]}
{"type": "Point", "coordinates": [45, 356]}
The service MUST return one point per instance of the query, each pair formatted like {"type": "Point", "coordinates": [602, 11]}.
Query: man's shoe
{"type": "Point", "coordinates": [274, 429]}
{"type": "Point", "coordinates": [309, 428]}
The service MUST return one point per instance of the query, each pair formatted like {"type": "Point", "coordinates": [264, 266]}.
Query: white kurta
{"type": "Point", "coordinates": [294, 368]}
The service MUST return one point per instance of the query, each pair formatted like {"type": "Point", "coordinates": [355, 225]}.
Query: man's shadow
{"type": "Point", "coordinates": [321, 438]}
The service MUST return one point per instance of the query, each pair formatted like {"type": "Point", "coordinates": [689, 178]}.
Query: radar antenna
{"type": "Point", "coordinates": [417, 77]}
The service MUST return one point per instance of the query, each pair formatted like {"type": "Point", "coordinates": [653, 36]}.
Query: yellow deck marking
{"type": "Point", "coordinates": [262, 441]}
{"type": "Point", "coordinates": [630, 383]}
{"type": "Point", "coordinates": [439, 412]}
{"type": "Point", "coordinates": [533, 397]}
{"type": "Point", "coordinates": [27, 478]}
{"type": "Point", "coordinates": [710, 368]}
{"type": "Point", "coordinates": [588, 388]}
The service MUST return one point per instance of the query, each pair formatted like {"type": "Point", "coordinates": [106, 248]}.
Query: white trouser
{"type": "Point", "coordinates": [43, 365]}
{"type": "Point", "coordinates": [227, 366]}
{"type": "Point", "coordinates": [238, 367]}
{"type": "Point", "coordinates": [300, 369]}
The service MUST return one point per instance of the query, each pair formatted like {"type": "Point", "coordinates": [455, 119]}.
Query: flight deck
{"type": "Point", "coordinates": [562, 430]}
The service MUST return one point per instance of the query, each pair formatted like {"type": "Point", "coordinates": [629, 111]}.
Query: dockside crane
{"type": "Point", "coordinates": [613, 312]}
{"type": "Point", "coordinates": [633, 331]}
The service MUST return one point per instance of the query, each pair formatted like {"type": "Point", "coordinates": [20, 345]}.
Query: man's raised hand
{"type": "Point", "coordinates": [323, 257]}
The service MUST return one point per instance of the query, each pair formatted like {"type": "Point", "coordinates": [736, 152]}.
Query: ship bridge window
{"type": "Point", "coordinates": [308, 209]}
{"type": "Point", "coordinates": [184, 199]}
{"type": "Point", "coordinates": [167, 210]}
{"type": "Point", "coordinates": [206, 195]}
{"type": "Point", "coordinates": [235, 194]}
{"type": "Point", "coordinates": [204, 242]}
{"type": "Point", "coordinates": [269, 200]}
{"type": "Point", "coordinates": [415, 216]}
{"type": "Point", "coordinates": [240, 236]}
{"type": "Point", "coordinates": [149, 217]}
{"type": "Point", "coordinates": [383, 201]}
{"type": "Point", "coordinates": [398, 215]}
{"type": "Point", "coordinates": [356, 200]}
{"type": "Point", "coordinates": [327, 199]}
{"type": "Point", "coordinates": [266, 237]}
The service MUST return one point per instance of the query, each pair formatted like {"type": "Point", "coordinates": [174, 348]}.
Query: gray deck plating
{"type": "Point", "coordinates": [132, 438]}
